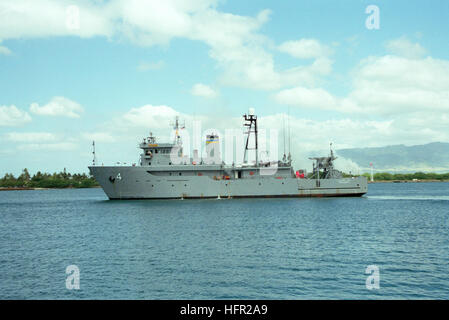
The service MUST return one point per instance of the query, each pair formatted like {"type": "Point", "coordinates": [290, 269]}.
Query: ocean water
{"type": "Point", "coordinates": [226, 249]}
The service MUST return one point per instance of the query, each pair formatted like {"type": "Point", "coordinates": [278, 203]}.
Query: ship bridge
{"type": "Point", "coordinates": [158, 153]}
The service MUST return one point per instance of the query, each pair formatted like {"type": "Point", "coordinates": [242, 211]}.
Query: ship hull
{"type": "Point", "coordinates": [120, 183]}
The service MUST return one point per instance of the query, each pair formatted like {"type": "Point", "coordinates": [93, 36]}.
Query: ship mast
{"type": "Point", "coordinates": [177, 127]}
{"type": "Point", "coordinates": [94, 160]}
{"type": "Point", "coordinates": [251, 123]}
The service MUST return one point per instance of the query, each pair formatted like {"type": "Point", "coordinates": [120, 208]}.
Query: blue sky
{"type": "Point", "coordinates": [130, 66]}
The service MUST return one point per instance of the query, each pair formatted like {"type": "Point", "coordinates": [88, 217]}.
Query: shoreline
{"type": "Point", "coordinates": [406, 181]}
{"type": "Point", "coordinates": [29, 188]}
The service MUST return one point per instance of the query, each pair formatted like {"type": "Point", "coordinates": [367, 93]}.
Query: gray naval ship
{"type": "Point", "coordinates": [160, 176]}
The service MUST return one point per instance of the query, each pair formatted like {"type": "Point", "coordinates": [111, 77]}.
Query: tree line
{"type": "Point", "coordinates": [408, 176]}
{"type": "Point", "coordinates": [46, 180]}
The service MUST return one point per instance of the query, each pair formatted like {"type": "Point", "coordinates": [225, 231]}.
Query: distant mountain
{"type": "Point", "coordinates": [428, 157]}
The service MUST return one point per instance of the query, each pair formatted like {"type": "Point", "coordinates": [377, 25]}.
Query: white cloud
{"type": "Point", "coordinates": [305, 49]}
{"type": "Point", "coordinates": [392, 85]}
{"type": "Point", "coordinates": [306, 75]}
{"type": "Point", "coordinates": [386, 86]}
{"type": "Point", "coordinates": [238, 48]}
{"type": "Point", "coordinates": [307, 135]}
{"type": "Point", "coordinates": [315, 135]}
{"type": "Point", "coordinates": [61, 146]}
{"type": "Point", "coordinates": [4, 50]}
{"type": "Point", "coordinates": [146, 66]}
{"type": "Point", "coordinates": [203, 90]}
{"type": "Point", "coordinates": [98, 136]}
{"type": "Point", "coordinates": [148, 116]}
{"type": "Point", "coordinates": [58, 106]}
{"type": "Point", "coordinates": [42, 18]}
{"type": "Point", "coordinates": [405, 48]}
{"type": "Point", "coordinates": [12, 116]}
{"type": "Point", "coordinates": [307, 98]}
{"type": "Point", "coordinates": [234, 40]}
{"type": "Point", "coordinates": [30, 136]}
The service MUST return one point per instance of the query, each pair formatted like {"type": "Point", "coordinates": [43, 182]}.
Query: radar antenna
{"type": "Point", "coordinates": [177, 126]}
{"type": "Point", "coordinates": [151, 139]}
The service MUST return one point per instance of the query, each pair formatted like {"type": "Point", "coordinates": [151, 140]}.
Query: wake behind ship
{"type": "Point", "coordinates": [161, 176]}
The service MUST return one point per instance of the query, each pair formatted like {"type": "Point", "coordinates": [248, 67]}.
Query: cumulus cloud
{"type": "Point", "coordinates": [30, 137]}
{"type": "Point", "coordinates": [405, 48]}
{"type": "Point", "coordinates": [4, 50]}
{"type": "Point", "coordinates": [12, 116]}
{"type": "Point", "coordinates": [203, 90]}
{"type": "Point", "coordinates": [315, 98]}
{"type": "Point", "coordinates": [305, 49]}
{"type": "Point", "coordinates": [39, 141]}
{"type": "Point", "coordinates": [60, 146]}
{"type": "Point", "coordinates": [309, 135]}
{"type": "Point", "coordinates": [41, 18]}
{"type": "Point", "coordinates": [386, 86]}
{"type": "Point", "coordinates": [158, 119]}
{"type": "Point", "coordinates": [306, 75]}
{"type": "Point", "coordinates": [234, 40]}
{"type": "Point", "coordinates": [147, 66]}
{"type": "Point", "coordinates": [392, 85]}
{"type": "Point", "coordinates": [344, 133]}
{"type": "Point", "coordinates": [149, 115]}
{"type": "Point", "coordinates": [98, 136]}
{"type": "Point", "coordinates": [58, 107]}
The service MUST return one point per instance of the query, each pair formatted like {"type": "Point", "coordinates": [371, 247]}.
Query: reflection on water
{"type": "Point", "coordinates": [226, 249]}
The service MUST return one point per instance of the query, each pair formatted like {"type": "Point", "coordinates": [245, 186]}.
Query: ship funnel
{"type": "Point", "coordinates": [213, 149]}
